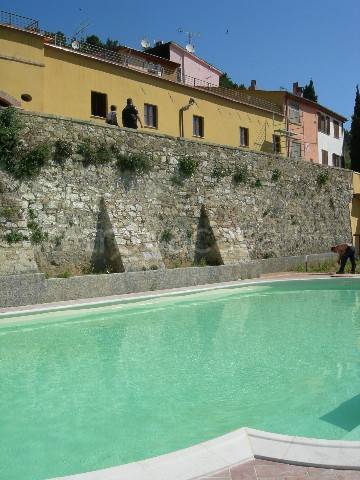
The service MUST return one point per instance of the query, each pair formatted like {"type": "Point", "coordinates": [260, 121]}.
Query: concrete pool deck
{"type": "Point", "coordinates": [245, 454]}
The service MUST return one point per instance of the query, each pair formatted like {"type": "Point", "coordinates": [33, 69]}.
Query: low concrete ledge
{"type": "Point", "coordinates": [234, 448]}
{"type": "Point", "coordinates": [30, 289]}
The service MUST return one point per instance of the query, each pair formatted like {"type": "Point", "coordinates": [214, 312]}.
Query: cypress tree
{"type": "Point", "coordinates": [355, 134]}
{"type": "Point", "coordinates": [309, 92]}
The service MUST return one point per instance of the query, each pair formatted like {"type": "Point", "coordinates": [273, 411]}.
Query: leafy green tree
{"type": "Point", "coordinates": [309, 92]}
{"type": "Point", "coordinates": [111, 44]}
{"type": "Point", "coordinates": [94, 40]}
{"type": "Point", "coordinates": [355, 134]}
{"type": "Point", "coordinates": [347, 142]}
{"type": "Point", "coordinates": [225, 81]}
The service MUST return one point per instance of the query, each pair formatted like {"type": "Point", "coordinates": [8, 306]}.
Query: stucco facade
{"type": "Point", "coordinates": [302, 135]}
{"type": "Point", "coordinates": [331, 143]}
{"type": "Point", "coordinates": [193, 69]}
{"type": "Point", "coordinates": [61, 81]}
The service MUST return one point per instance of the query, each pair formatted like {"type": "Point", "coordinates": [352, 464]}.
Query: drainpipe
{"type": "Point", "coordinates": [181, 116]}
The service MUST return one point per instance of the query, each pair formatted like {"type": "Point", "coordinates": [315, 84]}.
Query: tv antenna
{"type": "Point", "coordinates": [145, 43]}
{"type": "Point", "coordinates": [84, 24]}
{"type": "Point", "coordinates": [190, 36]}
{"type": "Point", "coordinates": [81, 28]}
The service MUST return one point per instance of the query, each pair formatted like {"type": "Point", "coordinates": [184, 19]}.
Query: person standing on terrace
{"type": "Point", "coordinates": [130, 115]}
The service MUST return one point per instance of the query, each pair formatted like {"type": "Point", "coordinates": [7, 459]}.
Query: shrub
{"type": "Point", "coordinates": [103, 153]}
{"type": "Point", "coordinates": [9, 136]}
{"type": "Point", "coordinates": [37, 235]}
{"type": "Point", "coordinates": [30, 163]}
{"type": "Point", "coordinates": [188, 166]}
{"type": "Point", "coordinates": [322, 178]}
{"type": "Point", "coordinates": [241, 175]}
{"type": "Point", "coordinates": [166, 236]}
{"type": "Point", "coordinates": [14, 237]}
{"type": "Point", "coordinates": [136, 163]}
{"type": "Point", "coordinates": [201, 262]}
{"type": "Point", "coordinates": [65, 274]}
{"type": "Point", "coordinates": [220, 171]}
{"type": "Point", "coordinates": [276, 174]}
{"type": "Point", "coordinates": [257, 183]}
{"type": "Point", "coordinates": [63, 151]}
{"type": "Point", "coordinates": [10, 212]}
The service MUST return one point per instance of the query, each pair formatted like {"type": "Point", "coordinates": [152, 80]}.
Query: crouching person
{"type": "Point", "coordinates": [345, 251]}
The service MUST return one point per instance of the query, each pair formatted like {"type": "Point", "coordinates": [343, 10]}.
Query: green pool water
{"type": "Point", "coordinates": [89, 388]}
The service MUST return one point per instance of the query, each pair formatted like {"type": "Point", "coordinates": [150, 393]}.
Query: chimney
{"type": "Point", "coordinates": [253, 85]}
{"type": "Point", "coordinates": [297, 90]}
{"type": "Point", "coordinates": [158, 43]}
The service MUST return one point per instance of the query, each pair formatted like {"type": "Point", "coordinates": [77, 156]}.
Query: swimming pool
{"type": "Point", "coordinates": [87, 388]}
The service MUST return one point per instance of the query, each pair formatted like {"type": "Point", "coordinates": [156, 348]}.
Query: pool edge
{"type": "Point", "coordinates": [235, 448]}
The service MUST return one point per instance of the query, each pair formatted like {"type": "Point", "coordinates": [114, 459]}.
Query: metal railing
{"type": "Point", "coordinates": [8, 18]}
{"type": "Point", "coordinates": [236, 94]}
{"type": "Point", "coordinates": [120, 57]}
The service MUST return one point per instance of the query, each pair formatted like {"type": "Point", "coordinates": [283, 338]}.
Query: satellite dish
{"type": "Point", "coordinates": [145, 43]}
{"type": "Point", "coordinates": [190, 48]}
{"type": "Point", "coordinates": [75, 45]}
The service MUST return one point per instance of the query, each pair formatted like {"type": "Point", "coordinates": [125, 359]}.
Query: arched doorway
{"type": "Point", "coordinates": [7, 100]}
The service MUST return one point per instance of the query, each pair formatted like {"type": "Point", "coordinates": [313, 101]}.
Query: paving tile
{"type": "Point", "coordinates": [348, 474]}
{"type": "Point", "coordinates": [298, 476]}
{"type": "Point", "coordinates": [322, 473]}
{"type": "Point", "coordinates": [245, 471]}
{"type": "Point", "coordinates": [276, 469]}
{"type": "Point", "coordinates": [221, 475]}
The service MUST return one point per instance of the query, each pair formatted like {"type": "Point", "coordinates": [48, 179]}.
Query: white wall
{"type": "Point", "coordinates": [330, 143]}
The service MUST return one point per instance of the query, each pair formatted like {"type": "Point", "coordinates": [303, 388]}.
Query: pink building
{"type": "Point", "coordinates": [193, 70]}
{"type": "Point", "coordinates": [311, 131]}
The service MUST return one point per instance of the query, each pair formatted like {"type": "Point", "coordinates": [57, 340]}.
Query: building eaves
{"type": "Point", "coordinates": [23, 30]}
{"type": "Point", "coordinates": [149, 56]}
{"type": "Point", "coordinates": [322, 108]}
{"type": "Point", "coordinates": [308, 102]}
{"type": "Point", "coordinates": [197, 58]}
{"type": "Point", "coordinates": [269, 107]}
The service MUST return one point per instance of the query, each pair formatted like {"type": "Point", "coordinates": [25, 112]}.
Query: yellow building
{"type": "Point", "coordinates": [46, 74]}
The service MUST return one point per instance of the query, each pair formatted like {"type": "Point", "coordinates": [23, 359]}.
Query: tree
{"type": "Point", "coordinates": [309, 91]}
{"type": "Point", "coordinates": [94, 40]}
{"type": "Point", "coordinates": [355, 134]}
{"type": "Point", "coordinates": [347, 142]}
{"type": "Point", "coordinates": [225, 81]}
{"type": "Point", "coordinates": [111, 44]}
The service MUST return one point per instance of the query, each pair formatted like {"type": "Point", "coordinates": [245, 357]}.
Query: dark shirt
{"type": "Point", "coordinates": [129, 116]}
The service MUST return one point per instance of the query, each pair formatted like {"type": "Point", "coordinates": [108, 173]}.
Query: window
{"type": "Point", "coordinates": [244, 137]}
{"type": "Point", "coordinates": [328, 125]}
{"type": "Point", "coordinates": [98, 104]}
{"type": "Point", "coordinates": [336, 160]}
{"type": "Point", "coordinates": [295, 150]}
{"type": "Point", "coordinates": [198, 126]}
{"type": "Point", "coordinates": [150, 115]}
{"type": "Point", "coordinates": [276, 144]}
{"type": "Point", "coordinates": [324, 157]}
{"type": "Point", "coordinates": [336, 129]}
{"type": "Point", "coordinates": [323, 124]}
{"type": "Point", "coordinates": [294, 112]}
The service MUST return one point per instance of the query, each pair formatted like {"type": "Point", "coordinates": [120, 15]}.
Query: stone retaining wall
{"type": "Point", "coordinates": [30, 289]}
{"type": "Point", "coordinates": [97, 217]}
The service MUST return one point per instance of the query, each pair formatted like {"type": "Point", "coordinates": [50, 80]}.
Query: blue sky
{"type": "Point", "coordinates": [276, 42]}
